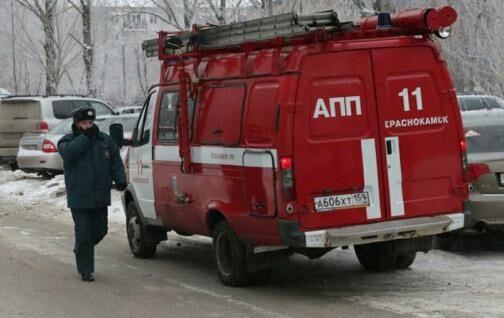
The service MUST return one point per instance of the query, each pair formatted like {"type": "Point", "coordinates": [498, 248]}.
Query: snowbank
{"type": "Point", "coordinates": [32, 189]}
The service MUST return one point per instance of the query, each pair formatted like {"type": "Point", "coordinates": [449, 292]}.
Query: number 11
{"type": "Point", "coordinates": [405, 96]}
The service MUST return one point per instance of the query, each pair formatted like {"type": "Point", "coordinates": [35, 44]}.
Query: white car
{"type": "Point", "coordinates": [33, 115]}
{"type": "Point", "coordinates": [40, 153]}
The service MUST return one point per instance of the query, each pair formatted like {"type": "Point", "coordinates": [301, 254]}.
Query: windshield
{"type": "Point", "coordinates": [65, 127]}
{"type": "Point", "coordinates": [63, 108]}
{"type": "Point", "coordinates": [485, 139]}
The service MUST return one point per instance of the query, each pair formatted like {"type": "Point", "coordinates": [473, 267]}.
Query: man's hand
{"type": "Point", "coordinates": [121, 186]}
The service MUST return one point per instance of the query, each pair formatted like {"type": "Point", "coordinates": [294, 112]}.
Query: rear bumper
{"type": "Point", "coordinates": [487, 210]}
{"type": "Point", "coordinates": [369, 233]}
{"type": "Point", "coordinates": [38, 161]}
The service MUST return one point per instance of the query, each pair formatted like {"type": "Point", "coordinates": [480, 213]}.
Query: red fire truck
{"type": "Point", "coordinates": [300, 134]}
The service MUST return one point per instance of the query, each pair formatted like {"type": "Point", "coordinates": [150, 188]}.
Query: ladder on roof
{"type": "Point", "coordinates": [232, 35]}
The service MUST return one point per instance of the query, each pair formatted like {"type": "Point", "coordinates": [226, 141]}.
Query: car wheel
{"type": "Point", "coordinates": [377, 257]}
{"type": "Point", "coordinates": [405, 260]}
{"type": "Point", "coordinates": [230, 256]}
{"type": "Point", "coordinates": [138, 241]}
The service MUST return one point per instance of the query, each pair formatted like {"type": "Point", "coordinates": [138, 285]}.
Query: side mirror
{"type": "Point", "coordinates": [117, 134]}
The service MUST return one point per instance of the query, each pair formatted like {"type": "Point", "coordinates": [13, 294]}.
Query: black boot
{"type": "Point", "coordinates": [87, 277]}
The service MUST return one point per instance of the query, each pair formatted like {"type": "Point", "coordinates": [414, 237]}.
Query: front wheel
{"type": "Point", "coordinates": [383, 256]}
{"type": "Point", "coordinates": [230, 256]}
{"type": "Point", "coordinates": [138, 241]}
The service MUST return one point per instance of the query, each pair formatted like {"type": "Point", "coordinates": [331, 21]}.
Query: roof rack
{"type": "Point", "coordinates": [233, 35]}
{"type": "Point", "coordinates": [285, 29]}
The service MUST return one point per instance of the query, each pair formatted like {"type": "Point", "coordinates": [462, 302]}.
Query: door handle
{"type": "Point", "coordinates": [389, 147]}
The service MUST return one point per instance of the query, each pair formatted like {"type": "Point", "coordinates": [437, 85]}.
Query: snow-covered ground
{"type": "Point", "coordinates": [32, 190]}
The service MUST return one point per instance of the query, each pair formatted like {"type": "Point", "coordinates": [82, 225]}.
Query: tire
{"type": "Point", "coordinates": [383, 256]}
{"type": "Point", "coordinates": [137, 234]}
{"type": "Point", "coordinates": [13, 165]}
{"type": "Point", "coordinates": [405, 260]}
{"type": "Point", "coordinates": [230, 256]}
{"type": "Point", "coordinates": [376, 257]}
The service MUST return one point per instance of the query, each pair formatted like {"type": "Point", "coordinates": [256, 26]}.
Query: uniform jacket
{"type": "Point", "coordinates": [90, 165]}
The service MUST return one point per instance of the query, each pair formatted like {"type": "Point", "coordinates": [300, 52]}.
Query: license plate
{"type": "Point", "coordinates": [341, 201]}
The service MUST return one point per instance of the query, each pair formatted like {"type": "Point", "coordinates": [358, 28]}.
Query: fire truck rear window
{"type": "Point", "coordinates": [219, 115]}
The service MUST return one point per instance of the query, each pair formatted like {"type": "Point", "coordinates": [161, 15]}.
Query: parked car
{"type": "Point", "coordinates": [4, 93]}
{"type": "Point", "coordinates": [485, 144]}
{"type": "Point", "coordinates": [479, 107]}
{"type": "Point", "coordinates": [33, 115]}
{"type": "Point", "coordinates": [129, 110]}
{"type": "Point", "coordinates": [40, 153]}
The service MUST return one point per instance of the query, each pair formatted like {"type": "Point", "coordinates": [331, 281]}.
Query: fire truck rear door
{"type": "Point", "coordinates": [420, 136]}
{"type": "Point", "coordinates": [337, 155]}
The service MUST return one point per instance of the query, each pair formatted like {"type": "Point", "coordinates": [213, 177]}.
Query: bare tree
{"type": "Point", "coordinates": [46, 13]}
{"type": "Point", "coordinates": [84, 9]}
{"type": "Point", "coordinates": [171, 12]}
{"type": "Point", "coordinates": [13, 48]}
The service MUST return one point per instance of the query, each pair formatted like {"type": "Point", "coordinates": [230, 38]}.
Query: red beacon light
{"type": "Point", "coordinates": [431, 20]}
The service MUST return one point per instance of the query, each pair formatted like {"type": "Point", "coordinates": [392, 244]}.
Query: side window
{"type": "Point", "coordinates": [493, 103]}
{"type": "Point", "coordinates": [261, 113]}
{"type": "Point", "coordinates": [168, 117]}
{"type": "Point", "coordinates": [100, 108]}
{"type": "Point", "coordinates": [219, 115]}
{"type": "Point", "coordinates": [167, 125]}
{"type": "Point", "coordinates": [142, 130]}
{"type": "Point", "coordinates": [472, 103]}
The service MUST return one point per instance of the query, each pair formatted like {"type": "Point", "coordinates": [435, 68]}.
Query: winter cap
{"type": "Point", "coordinates": [84, 113]}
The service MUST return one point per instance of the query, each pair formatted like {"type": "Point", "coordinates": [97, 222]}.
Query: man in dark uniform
{"type": "Point", "coordinates": [91, 162]}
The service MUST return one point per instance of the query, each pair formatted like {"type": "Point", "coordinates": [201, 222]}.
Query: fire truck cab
{"type": "Point", "coordinates": [340, 134]}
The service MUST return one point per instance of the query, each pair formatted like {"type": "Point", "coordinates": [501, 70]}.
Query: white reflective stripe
{"type": "Point", "coordinates": [395, 177]}
{"type": "Point", "coordinates": [220, 155]}
{"type": "Point", "coordinates": [371, 184]}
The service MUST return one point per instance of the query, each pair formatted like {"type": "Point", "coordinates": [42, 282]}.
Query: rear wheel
{"type": "Point", "coordinates": [230, 256]}
{"type": "Point", "coordinates": [405, 260]}
{"type": "Point", "coordinates": [383, 256]}
{"type": "Point", "coordinates": [137, 233]}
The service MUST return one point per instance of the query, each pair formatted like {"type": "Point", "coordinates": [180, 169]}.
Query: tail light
{"type": "Point", "coordinates": [287, 177]}
{"type": "Point", "coordinates": [42, 127]}
{"type": "Point", "coordinates": [48, 146]}
{"type": "Point", "coordinates": [463, 151]}
{"type": "Point", "coordinates": [474, 171]}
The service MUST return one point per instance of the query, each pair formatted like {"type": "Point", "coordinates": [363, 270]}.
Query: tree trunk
{"type": "Point", "coordinates": [48, 22]}
{"type": "Point", "coordinates": [222, 18]}
{"type": "Point", "coordinates": [187, 12]}
{"type": "Point", "coordinates": [88, 50]}
{"type": "Point", "coordinates": [13, 46]}
{"type": "Point", "coordinates": [270, 7]}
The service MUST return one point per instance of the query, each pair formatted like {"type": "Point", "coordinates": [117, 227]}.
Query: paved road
{"type": "Point", "coordinates": [38, 279]}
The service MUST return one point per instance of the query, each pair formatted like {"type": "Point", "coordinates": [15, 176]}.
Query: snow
{"type": "Point", "coordinates": [32, 189]}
